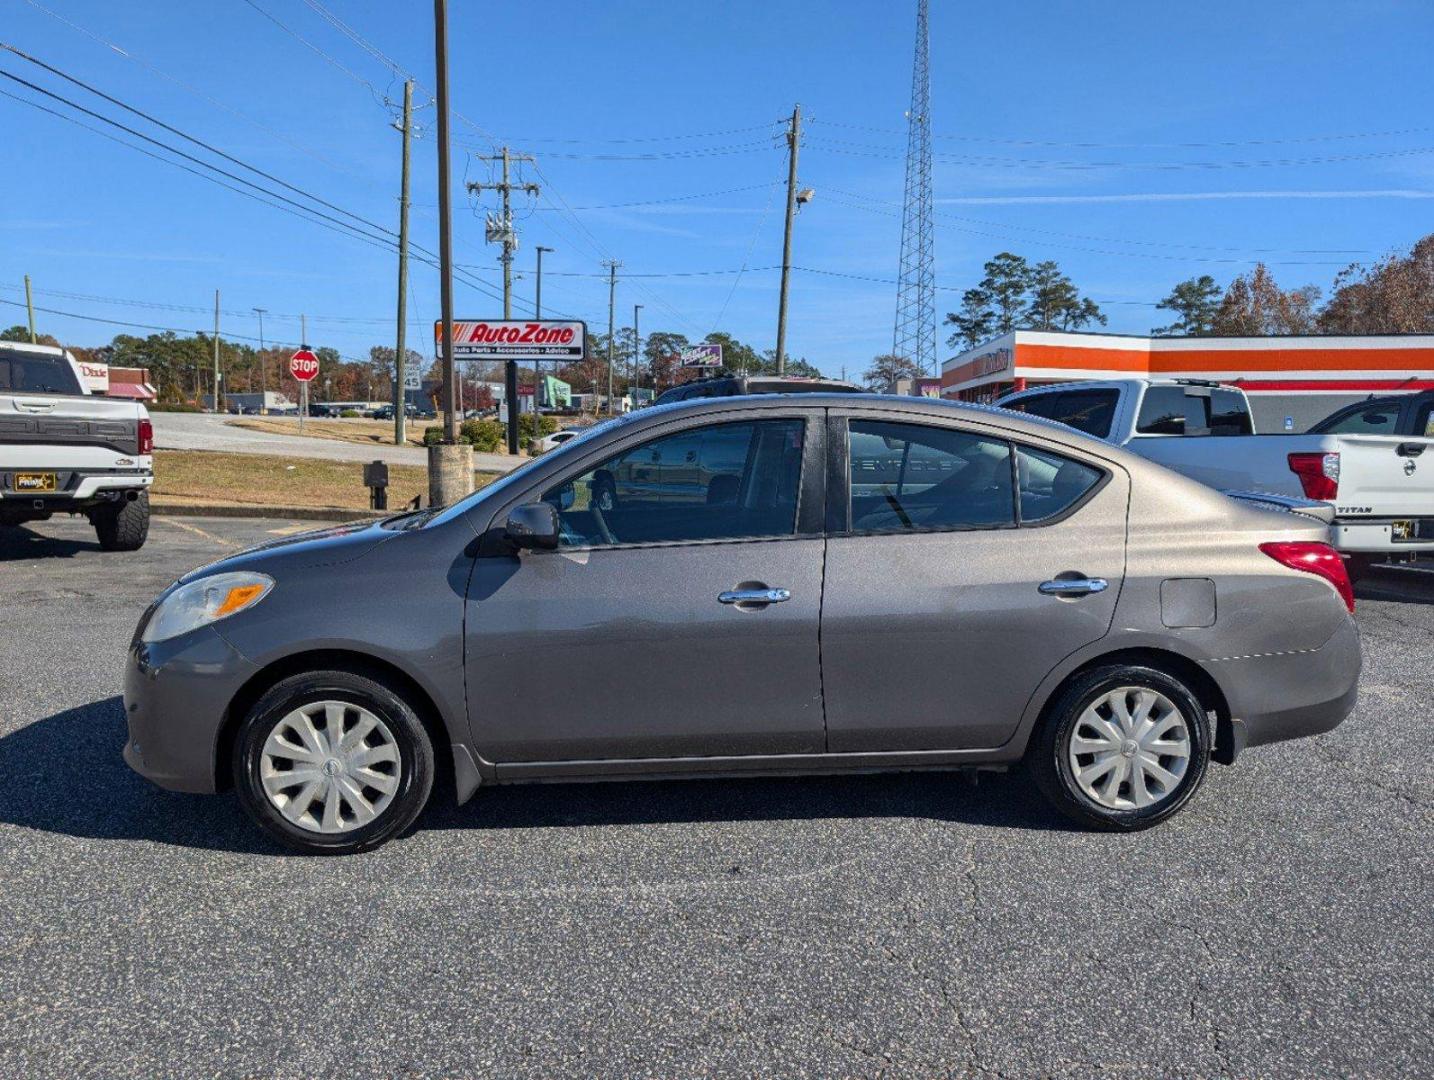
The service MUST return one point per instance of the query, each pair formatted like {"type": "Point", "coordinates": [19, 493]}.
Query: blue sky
{"type": "Point", "coordinates": [1300, 133]}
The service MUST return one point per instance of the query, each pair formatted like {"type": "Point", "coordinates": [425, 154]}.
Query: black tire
{"type": "Point", "coordinates": [1048, 756]}
{"type": "Point", "coordinates": [123, 526]}
{"type": "Point", "coordinates": [415, 768]}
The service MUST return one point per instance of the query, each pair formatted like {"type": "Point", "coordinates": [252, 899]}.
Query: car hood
{"type": "Point", "coordinates": [327, 546]}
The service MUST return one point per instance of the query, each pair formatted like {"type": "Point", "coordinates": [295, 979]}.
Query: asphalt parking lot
{"type": "Point", "coordinates": [872, 926]}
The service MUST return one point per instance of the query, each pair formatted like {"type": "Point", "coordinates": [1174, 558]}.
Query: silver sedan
{"type": "Point", "coordinates": [746, 586]}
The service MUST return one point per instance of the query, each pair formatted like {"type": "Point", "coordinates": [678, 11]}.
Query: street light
{"type": "Point", "coordinates": [538, 314]}
{"type": "Point", "coordinates": [263, 377]}
{"type": "Point", "coordinates": [636, 356]}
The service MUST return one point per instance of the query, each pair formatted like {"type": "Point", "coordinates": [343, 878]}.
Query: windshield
{"type": "Point", "coordinates": [24, 372]}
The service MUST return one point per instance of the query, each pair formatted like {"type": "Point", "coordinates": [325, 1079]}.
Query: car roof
{"type": "Point", "coordinates": [937, 408]}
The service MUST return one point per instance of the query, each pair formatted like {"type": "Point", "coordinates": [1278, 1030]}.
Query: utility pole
{"type": "Point", "coordinates": [538, 314]}
{"type": "Point", "coordinates": [218, 404]}
{"type": "Point", "coordinates": [501, 230]}
{"type": "Point", "coordinates": [303, 386]}
{"type": "Point", "coordinates": [612, 266]}
{"type": "Point", "coordinates": [794, 136]}
{"type": "Point", "coordinates": [400, 353]}
{"type": "Point", "coordinates": [636, 356]}
{"type": "Point", "coordinates": [30, 308]}
{"type": "Point", "coordinates": [445, 228]}
{"type": "Point", "coordinates": [263, 366]}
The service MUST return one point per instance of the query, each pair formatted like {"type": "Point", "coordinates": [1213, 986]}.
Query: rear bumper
{"type": "Point", "coordinates": [1360, 537]}
{"type": "Point", "coordinates": [1292, 695]}
{"type": "Point", "coordinates": [75, 489]}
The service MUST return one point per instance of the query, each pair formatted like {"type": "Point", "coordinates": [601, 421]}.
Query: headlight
{"type": "Point", "coordinates": [206, 600]}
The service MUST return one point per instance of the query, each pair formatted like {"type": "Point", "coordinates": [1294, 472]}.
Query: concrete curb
{"type": "Point", "coordinates": [296, 513]}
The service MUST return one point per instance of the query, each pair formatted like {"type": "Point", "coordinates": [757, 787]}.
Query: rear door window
{"type": "Point", "coordinates": [917, 476]}
{"type": "Point", "coordinates": [36, 373]}
{"type": "Point", "coordinates": [1229, 413]}
{"type": "Point", "coordinates": [1162, 411]}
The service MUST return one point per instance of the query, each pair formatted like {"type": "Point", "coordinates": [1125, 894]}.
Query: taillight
{"type": "Point", "coordinates": [1318, 473]}
{"type": "Point", "coordinates": [1313, 558]}
{"type": "Point", "coordinates": [146, 437]}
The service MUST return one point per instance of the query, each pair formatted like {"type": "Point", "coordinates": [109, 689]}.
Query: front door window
{"type": "Point", "coordinates": [720, 482]}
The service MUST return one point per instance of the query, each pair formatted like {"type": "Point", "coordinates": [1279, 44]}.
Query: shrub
{"type": "Point", "coordinates": [546, 426]}
{"type": "Point", "coordinates": [433, 436]}
{"type": "Point", "coordinates": [485, 435]}
{"type": "Point", "coordinates": [350, 414]}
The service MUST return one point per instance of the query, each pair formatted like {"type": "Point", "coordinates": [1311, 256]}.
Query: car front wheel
{"type": "Point", "coordinates": [333, 762]}
{"type": "Point", "coordinates": [1123, 747]}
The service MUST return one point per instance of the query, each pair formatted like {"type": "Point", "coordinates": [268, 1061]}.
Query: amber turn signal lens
{"type": "Point", "coordinates": [238, 597]}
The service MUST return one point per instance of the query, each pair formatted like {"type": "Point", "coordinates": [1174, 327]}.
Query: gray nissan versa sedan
{"type": "Point", "coordinates": [739, 586]}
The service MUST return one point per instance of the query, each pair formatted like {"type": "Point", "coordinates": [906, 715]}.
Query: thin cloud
{"type": "Point", "coordinates": [1184, 196]}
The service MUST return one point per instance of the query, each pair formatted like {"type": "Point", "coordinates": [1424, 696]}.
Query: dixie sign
{"type": "Point", "coordinates": [513, 339]}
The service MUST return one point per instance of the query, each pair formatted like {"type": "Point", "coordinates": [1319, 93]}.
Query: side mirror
{"type": "Point", "coordinates": [533, 526]}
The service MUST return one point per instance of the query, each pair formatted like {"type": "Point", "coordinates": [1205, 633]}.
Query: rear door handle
{"type": "Point", "coordinates": [1410, 449]}
{"type": "Point", "coordinates": [754, 597]}
{"type": "Point", "coordinates": [1073, 586]}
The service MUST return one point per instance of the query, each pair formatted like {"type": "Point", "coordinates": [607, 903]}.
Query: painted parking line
{"type": "Point", "coordinates": [200, 532]}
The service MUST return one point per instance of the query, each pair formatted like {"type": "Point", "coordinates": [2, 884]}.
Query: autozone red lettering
{"type": "Point", "coordinates": [528, 333]}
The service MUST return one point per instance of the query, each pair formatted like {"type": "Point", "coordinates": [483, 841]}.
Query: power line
{"type": "Point", "coordinates": [314, 48]}
{"type": "Point", "coordinates": [837, 146]}
{"type": "Point", "coordinates": [359, 40]}
{"type": "Point", "coordinates": [236, 313]}
{"type": "Point", "coordinates": [1108, 239]}
{"type": "Point", "coordinates": [1232, 143]}
{"type": "Point", "coordinates": [169, 329]}
{"type": "Point", "coordinates": [301, 211]}
{"type": "Point", "coordinates": [384, 238]}
{"type": "Point", "coordinates": [1105, 251]}
{"type": "Point", "coordinates": [183, 135]}
{"type": "Point", "coordinates": [755, 146]}
{"type": "Point", "coordinates": [187, 88]}
{"type": "Point", "coordinates": [939, 288]}
{"type": "Point", "coordinates": [647, 138]}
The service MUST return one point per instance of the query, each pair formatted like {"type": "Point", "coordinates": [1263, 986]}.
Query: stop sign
{"type": "Point", "coordinates": [303, 365]}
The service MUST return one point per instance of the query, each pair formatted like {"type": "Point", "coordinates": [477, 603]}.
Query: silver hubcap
{"type": "Point", "coordinates": [330, 766]}
{"type": "Point", "coordinates": [1130, 748]}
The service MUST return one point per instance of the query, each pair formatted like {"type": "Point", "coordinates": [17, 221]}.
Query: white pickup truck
{"type": "Point", "coordinates": [1380, 487]}
{"type": "Point", "coordinates": [64, 450]}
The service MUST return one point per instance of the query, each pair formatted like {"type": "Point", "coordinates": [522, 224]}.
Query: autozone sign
{"type": "Point", "coordinates": [513, 339]}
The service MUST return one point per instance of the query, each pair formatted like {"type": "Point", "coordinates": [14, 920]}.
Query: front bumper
{"type": "Point", "coordinates": [176, 694]}
{"type": "Point", "coordinates": [1279, 696]}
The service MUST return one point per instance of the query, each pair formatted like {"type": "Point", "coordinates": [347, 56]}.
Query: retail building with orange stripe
{"type": "Point", "coordinates": [1291, 381]}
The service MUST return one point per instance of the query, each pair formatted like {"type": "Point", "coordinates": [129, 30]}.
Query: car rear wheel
{"type": "Point", "coordinates": [123, 526]}
{"type": "Point", "coordinates": [333, 762]}
{"type": "Point", "coordinates": [1123, 747]}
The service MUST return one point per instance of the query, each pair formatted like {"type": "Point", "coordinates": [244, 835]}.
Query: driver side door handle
{"type": "Point", "coordinates": [1073, 587]}
{"type": "Point", "coordinates": [754, 599]}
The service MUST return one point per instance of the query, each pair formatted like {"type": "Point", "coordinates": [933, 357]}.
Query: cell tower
{"type": "Point", "coordinates": [916, 288]}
